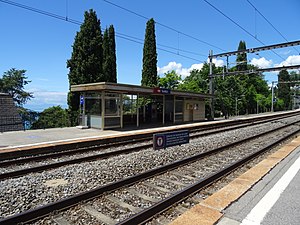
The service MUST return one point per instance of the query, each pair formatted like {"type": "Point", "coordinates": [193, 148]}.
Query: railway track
{"type": "Point", "coordinates": [172, 183]}
{"type": "Point", "coordinates": [45, 152]}
{"type": "Point", "coordinates": [8, 170]}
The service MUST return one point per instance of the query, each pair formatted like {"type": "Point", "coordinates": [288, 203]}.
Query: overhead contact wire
{"type": "Point", "coordinates": [163, 25]}
{"type": "Point", "coordinates": [242, 28]}
{"type": "Point", "coordinates": [69, 20]}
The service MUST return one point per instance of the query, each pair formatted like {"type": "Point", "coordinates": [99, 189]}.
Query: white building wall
{"type": "Point", "coordinates": [194, 110]}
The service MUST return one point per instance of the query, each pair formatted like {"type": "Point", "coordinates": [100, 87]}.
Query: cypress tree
{"type": "Point", "coordinates": [106, 56]}
{"type": "Point", "coordinates": [284, 89]}
{"type": "Point", "coordinates": [85, 65]}
{"type": "Point", "coordinates": [149, 72]}
{"type": "Point", "coordinates": [241, 59]}
{"type": "Point", "coordinates": [112, 49]}
{"type": "Point", "coordinates": [109, 55]}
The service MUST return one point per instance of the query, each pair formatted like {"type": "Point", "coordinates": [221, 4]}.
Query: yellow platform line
{"type": "Point", "coordinates": [210, 210]}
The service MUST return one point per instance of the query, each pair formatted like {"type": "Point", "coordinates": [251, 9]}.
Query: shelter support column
{"type": "Point", "coordinates": [82, 103]}
{"type": "Point", "coordinates": [102, 109]}
{"type": "Point", "coordinates": [164, 110]}
{"type": "Point", "coordinates": [144, 112]}
{"type": "Point", "coordinates": [121, 110]}
{"type": "Point", "coordinates": [137, 111]}
{"type": "Point", "coordinates": [82, 109]}
{"type": "Point", "coordinates": [131, 106]}
{"type": "Point", "coordinates": [174, 108]}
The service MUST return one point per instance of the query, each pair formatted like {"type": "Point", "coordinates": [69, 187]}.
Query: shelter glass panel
{"type": "Point", "coordinates": [92, 106]}
{"type": "Point", "coordinates": [112, 105]}
{"type": "Point", "coordinates": [129, 109]}
{"type": "Point", "coordinates": [178, 110]}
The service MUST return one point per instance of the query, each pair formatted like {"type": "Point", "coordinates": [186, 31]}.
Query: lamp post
{"type": "Point", "coordinates": [211, 86]}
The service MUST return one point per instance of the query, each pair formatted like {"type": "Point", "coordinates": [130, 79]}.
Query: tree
{"type": "Point", "coordinates": [262, 102]}
{"type": "Point", "coordinates": [284, 89]}
{"type": "Point", "coordinates": [28, 117]}
{"type": "Point", "coordinates": [294, 76]}
{"type": "Point", "coordinates": [13, 82]}
{"type": "Point", "coordinates": [52, 117]}
{"type": "Point", "coordinates": [170, 80]}
{"type": "Point", "coordinates": [241, 59]}
{"type": "Point", "coordinates": [85, 65]}
{"type": "Point", "coordinates": [106, 57]}
{"type": "Point", "coordinates": [149, 72]}
{"type": "Point", "coordinates": [109, 55]}
{"type": "Point", "coordinates": [112, 49]}
{"type": "Point", "coordinates": [251, 99]}
{"type": "Point", "coordinates": [252, 84]}
{"type": "Point", "coordinates": [228, 91]}
{"type": "Point", "coordinates": [197, 81]}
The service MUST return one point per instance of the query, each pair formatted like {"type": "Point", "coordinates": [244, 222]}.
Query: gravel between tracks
{"type": "Point", "coordinates": [30, 191]}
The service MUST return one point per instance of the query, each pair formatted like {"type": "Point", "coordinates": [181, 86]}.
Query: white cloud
{"type": "Point", "coordinates": [218, 62]}
{"type": "Point", "coordinates": [177, 67]}
{"type": "Point", "coordinates": [51, 97]}
{"type": "Point", "coordinates": [291, 60]}
{"type": "Point", "coordinates": [184, 72]}
{"type": "Point", "coordinates": [196, 67]}
{"type": "Point", "coordinates": [261, 62]}
{"type": "Point", "coordinates": [286, 52]}
{"type": "Point", "coordinates": [44, 99]}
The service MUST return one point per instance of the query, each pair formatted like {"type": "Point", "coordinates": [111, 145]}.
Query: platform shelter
{"type": "Point", "coordinates": [112, 105]}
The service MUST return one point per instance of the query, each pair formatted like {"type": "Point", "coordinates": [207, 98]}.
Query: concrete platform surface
{"type": "Point", "coordinates": [31, 137]}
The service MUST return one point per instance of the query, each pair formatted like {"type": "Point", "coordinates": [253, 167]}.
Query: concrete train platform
{"type": "Point", "coordinates": [267, 194]}
{"type": "Point", "coordinates": [59, 136]}
{"type": "Point", "coordinates": [275, 200]}
{"type": "Point", "coordinates": [52, 135]}
{"type": "Point", "coordinates": [28, 138]}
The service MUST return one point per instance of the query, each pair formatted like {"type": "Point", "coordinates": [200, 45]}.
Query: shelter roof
{"type": "Point", "coordinates": [132, 89]}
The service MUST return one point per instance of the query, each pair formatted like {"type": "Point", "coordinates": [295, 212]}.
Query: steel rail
{"type": "Point", "coordinates": [20, 172]}
{"type": "Point", "coordinates": [83, 150]}
{"type": "Point", "coordinates": [36, 169]}
{"type": "Point", "coordinates": [46, 156]}
{"type": "Point", "coordinates": [159, 207]}
{"type": "Point", "coordinates": [44, 210]}
{"type": "Point", "coordinates": [91, 145]}
{"type": "Point", "coordinates": [235, 125]}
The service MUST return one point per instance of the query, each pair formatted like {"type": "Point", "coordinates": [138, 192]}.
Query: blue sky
{"type": "Point", "coordinates": [41, 44]}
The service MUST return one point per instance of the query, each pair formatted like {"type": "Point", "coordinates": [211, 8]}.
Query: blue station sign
{"type": "Point", "coordinates": [163, 91]}
{"type": "Point", "coordinates": [168, 139]}
{"type": "Point", "coordinates": [81, 100]}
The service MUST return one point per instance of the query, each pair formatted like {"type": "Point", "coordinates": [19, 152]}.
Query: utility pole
{"type": "Point", "coordinates": [272, 87]}
{"type": "Point", "coordinates": [294, 102]}
{"type": "Point", "coordinates": [211, 87]}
